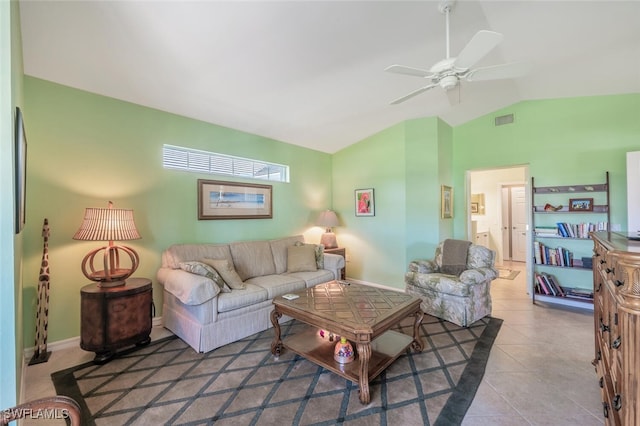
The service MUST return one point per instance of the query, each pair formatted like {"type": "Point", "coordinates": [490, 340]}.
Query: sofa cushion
{"type": "Point", "coordinates": [277, 285]}
{"type": "Point", "coordinates": [190, 289]}
{"type": "Point", "coordinates": [318, 251]}
{"type": "Point", "coordinates": [177, 253]}
{"type": "Point", "coordinates": [205, 270]}
{"type": "Point", "coordinates": [279, 251]}
{"type": "Point", "coordinates": [301, 258]}
{"type": "Point", "coordinates": [315, 277]}
{"type": "Point", "coordinates": [252, 259]}
{"type": "Point", "coordinates": [228, 273]}
{"type": "Point", "coordinates": [251, 295]}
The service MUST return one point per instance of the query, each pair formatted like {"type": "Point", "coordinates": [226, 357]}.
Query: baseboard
{"type": "Point", "coordinates": [70, 343]}
{"type": "Point", "coordinates": [386, 287]}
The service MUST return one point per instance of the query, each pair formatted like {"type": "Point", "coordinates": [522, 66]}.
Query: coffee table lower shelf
{"type": "Point", "coordinates": [384, 350]}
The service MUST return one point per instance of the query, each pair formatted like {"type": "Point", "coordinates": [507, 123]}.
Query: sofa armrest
{"type": "Point", "coordinates": [423, 266]}
{"type": "Point", "coordinates": [478, 275]}
{"type": "Point", "coordinates": [190, 289]}
{"type": "Point", "coordinates": [334, 263]}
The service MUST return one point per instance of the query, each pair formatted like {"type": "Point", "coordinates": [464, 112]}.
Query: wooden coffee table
{"type": "Point", "coordinates": [362, 314]}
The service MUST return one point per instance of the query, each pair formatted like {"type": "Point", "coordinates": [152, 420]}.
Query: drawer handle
{"type": "Point", "coordinates": [617, 402]}
{"type": "Point", "coordinates": [616, 343]}
{"type": "Point", "coordinates": [602, 382]}
{"type": "Point", "coordinates": [619, 283]}
{"type": "Point", "coordinates": [602, 261]}
{"type": "Point", "coordinates": [610, 270]}
{"type": "Point", "coordinates": [604, 328]}
{"type": "Point", "coordinates": [605, 410]}
{"type": "Point", "coordinates": [599, 355]}
{"type": "Point", "coordinates": [599, 287]}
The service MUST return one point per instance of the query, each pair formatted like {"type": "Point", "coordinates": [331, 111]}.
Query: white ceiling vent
{"type": "Point", "coordinates": [504, 119]}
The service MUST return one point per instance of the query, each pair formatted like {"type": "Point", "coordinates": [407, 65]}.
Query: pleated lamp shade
{"type": "Point", "coordinates": [108, 224]}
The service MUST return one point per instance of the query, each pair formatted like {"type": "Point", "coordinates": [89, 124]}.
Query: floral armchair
{"type": "Point", "coordinates": [461, 299]}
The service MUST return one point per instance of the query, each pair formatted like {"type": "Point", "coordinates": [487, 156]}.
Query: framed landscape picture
{"type": "Point", "coordinates": [365, 203]}
{"type": "Point", "coordinates": [446, 202]}
{"type": "Point", "coordinates": [233, 200]}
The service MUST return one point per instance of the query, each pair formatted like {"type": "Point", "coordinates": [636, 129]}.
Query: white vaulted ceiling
{"type": "Point", "coordinates": [311, 73]}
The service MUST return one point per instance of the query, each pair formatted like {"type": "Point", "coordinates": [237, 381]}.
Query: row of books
{"type": "Point", "coordinates": [571, 230]}
{"type": "Point", "coordinates": [557, 256]}
{"type": "Point", "coordinates": [548, 285]}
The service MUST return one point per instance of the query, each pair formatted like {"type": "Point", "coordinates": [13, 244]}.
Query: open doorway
{"type": "Point", "coordinates": [498, 211]}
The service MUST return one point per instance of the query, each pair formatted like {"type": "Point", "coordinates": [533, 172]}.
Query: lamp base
{"type": "Point", "coordinates": [113, 275]}
{"type": "Point", "coordinates": [328, 240]}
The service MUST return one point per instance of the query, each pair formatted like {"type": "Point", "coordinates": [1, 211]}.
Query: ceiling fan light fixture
{"type": "Point", "coordinates": [449, 82]}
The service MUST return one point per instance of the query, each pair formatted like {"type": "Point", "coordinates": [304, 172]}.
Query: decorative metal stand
{"type": "Point", "coordinates": [42, 315]}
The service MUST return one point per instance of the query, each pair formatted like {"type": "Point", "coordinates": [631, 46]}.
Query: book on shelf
{"type": "Point", "coordinates": [546, 231]}
{"type": "Point", "coordinates": [548, 285]}
{"type": "Point", "coordinates": [580, 293]}
{"type": "Point", "coordinates": [571, 230]}
{"type": "Point", "coordinates": [555, 256]}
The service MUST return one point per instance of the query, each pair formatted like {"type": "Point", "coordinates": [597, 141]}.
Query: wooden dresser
{"type": "Point", "coordinates": [616, 279]}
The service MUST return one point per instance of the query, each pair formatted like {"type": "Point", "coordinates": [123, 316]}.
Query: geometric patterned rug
{"type": "Point", "coordinates": [241, 383]}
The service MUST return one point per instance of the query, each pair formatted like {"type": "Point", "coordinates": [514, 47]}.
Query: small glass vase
{"type": "Point", "coordinates": [343, 352]}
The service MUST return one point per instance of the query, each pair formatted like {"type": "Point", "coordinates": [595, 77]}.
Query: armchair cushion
{"type": "Point", "coordinates": [454, 256]}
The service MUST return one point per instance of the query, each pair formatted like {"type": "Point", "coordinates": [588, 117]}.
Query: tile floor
{"type": "Point", "coordinates": [539, 371]}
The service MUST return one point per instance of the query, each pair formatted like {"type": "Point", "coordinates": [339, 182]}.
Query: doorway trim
{"type": "Point", "coordinates": [498, 219]}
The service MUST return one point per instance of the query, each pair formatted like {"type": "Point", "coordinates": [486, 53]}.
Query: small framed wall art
{"type": "Point", "coordinates": [233, 200]}
{"type": "Point", "coordinates": [581, 204]}
{"type": "Point", "coordinates": [365, 203]}
{"type": "Point", "coordinates": [446, 202]}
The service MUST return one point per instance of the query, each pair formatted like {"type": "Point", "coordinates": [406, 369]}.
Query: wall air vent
{"type": "Point", "coordinates": [504, 119]}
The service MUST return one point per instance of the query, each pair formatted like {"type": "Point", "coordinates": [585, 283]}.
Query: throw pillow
{"type": "Point", "coordinates": [205, 270]}
{"type": "Point", "coordinates": [227, 271]}
{"type": "Point", "coordinates": [301, 258]}
{"type": "Point", "coordinates": [319, 253]}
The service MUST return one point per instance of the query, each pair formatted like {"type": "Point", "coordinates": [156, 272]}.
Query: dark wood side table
{"type": "Point", "coordinates": [115, 317]}
{"type": "Point", "coordinates": [342, 252]}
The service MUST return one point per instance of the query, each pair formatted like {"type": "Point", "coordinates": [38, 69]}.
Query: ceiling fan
{"type": "Point", "coordinates": [448, 72]}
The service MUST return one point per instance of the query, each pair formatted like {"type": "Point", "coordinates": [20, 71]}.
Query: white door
{"type": "Point", "coordinates": [506, 224]}
{"type": "Point", "coordinates": [518, 224]}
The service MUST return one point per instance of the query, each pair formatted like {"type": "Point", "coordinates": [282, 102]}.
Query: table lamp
{"type": "Point", "coordinates": [328, 219]}
{"type": "Point", "coordinates": [108, 224]}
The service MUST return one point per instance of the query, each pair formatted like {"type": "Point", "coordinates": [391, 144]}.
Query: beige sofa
{"type": "Point", "coordinates": [205, 313]}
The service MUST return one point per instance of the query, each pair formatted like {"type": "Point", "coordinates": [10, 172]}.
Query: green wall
{"type": "Point", "coordinates": [86, 150]}
{"type": "Point", "coordinates": [564, 141]}
{"type": "Point", "coordinates": [404, 165]}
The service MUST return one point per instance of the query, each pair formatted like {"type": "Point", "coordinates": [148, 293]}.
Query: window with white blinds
{"type": "Point", "coordinates": [193, 160]}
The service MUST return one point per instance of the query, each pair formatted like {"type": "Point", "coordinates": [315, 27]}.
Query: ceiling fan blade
{"type": "Point", "coordinates": [401, 69]}
{"type": "Point", "coordinates": [497, 72]}
{"type": "Point", "coordinates": [481, 44]}
{"type": "Point", "coordinates": [412, 94]}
